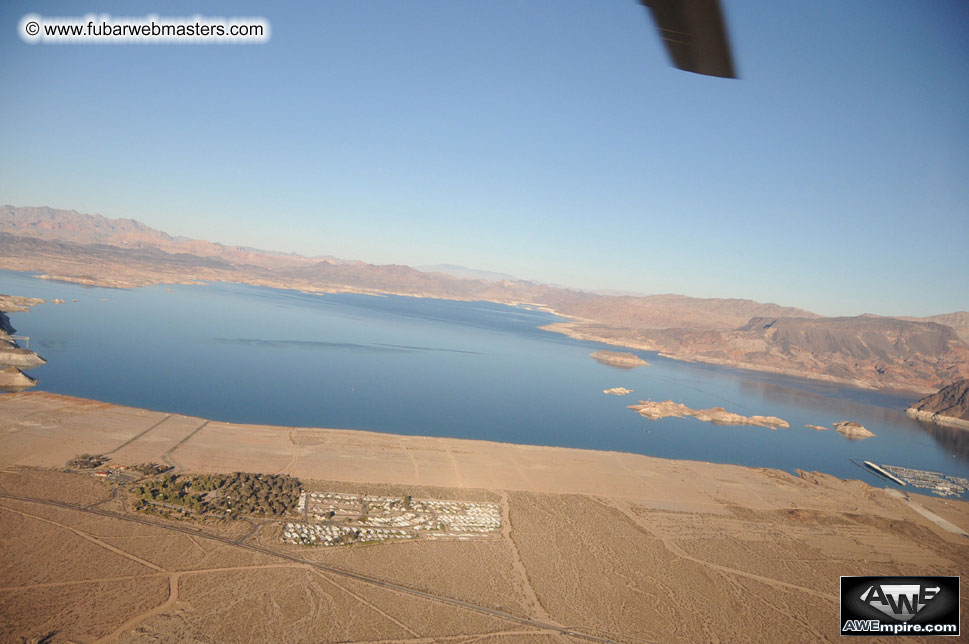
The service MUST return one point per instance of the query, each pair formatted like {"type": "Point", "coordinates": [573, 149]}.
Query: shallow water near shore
{"type": "Point", "coordinates": [430, 367]}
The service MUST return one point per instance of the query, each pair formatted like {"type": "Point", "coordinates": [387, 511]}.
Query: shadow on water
{"type": "Point", "coordinates": [880, 407]}
{"type": "Point", "coordinates": [954, 440]}
{"type": "Point", "coordinates": [813, 396]}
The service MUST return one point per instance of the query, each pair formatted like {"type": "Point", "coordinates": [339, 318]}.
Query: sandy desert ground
{"type": "Point", "coordinates": [594, 546]}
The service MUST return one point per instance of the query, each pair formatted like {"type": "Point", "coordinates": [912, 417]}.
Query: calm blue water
{"type": "Point", "coordinates": [437, 368]}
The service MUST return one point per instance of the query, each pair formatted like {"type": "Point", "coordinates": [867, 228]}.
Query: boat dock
{"type": "Point", "coordinates": [881, 472]}
{"type": "Point", "coordinates": [936, 482]}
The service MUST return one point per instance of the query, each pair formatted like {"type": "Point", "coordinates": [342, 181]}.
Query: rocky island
{"type": "Point", "coordinates": [851, 429]}
{"type": "Point", "coordinates": [847, 428]}
{"type": "Point", "coordinates": [715, 415]}
{"type": "Point", "coordinates": [623, 360]}
{"type": "Point", "coordinates": [949, 406]}
{"type": "Point", "coordinates": [617, 391]}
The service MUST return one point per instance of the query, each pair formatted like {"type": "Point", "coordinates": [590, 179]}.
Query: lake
{"type": "Point", "coordinates": [419, 366]}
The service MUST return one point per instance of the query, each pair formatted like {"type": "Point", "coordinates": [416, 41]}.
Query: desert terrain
{"type": "Point", "coordinates": [636, 549]}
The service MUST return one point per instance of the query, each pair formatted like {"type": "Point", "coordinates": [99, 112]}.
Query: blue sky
{"type": "Point", "coordinates": [547, 139]}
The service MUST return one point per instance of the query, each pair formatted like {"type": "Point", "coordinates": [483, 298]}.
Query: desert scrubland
{"type": "Point", "coordinates": [636, 549]}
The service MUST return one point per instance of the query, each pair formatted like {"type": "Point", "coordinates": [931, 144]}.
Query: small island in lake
{"type": "Point", "coordinates": [623, 360]}
{"type": "Point", "coordinates": [617, 391]}
{"type": "Point", "coordinates": [848, 428]}
{"type": "Point", "coordinates": [853, 430]}
{"type": "Point", "coordinates": [715, 415]}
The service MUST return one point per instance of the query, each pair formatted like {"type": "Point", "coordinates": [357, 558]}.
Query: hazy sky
{"type": "Point", "coordinates": [549, 139]}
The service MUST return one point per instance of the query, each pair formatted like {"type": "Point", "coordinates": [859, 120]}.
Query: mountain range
{"type": "Point", "coordinates": [899, 353]}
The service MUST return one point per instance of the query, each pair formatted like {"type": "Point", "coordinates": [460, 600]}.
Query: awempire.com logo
{"type": "Point", "coordinates": [899, 606]}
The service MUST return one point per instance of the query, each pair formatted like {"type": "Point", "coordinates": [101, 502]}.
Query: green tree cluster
{"type": "Point", "coordinates": [236, 494]}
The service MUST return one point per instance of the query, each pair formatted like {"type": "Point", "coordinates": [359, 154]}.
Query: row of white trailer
{"type": "Point", "coordinates": [317, 534]}
{"type": "Point", "coordinates": [382, 518]}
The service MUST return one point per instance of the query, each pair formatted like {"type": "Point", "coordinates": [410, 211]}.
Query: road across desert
{"type": "Point", "coordinates": [594, 546]}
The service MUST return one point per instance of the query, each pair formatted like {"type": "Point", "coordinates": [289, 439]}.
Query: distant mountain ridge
{"type": "Point", "coordinates": [959, 321]}
{"type": "Point", "coordinates": [468, 273]}
{"type": "Point", "coordinates": [653, 311]}
{"type": "Point", "coordinates": [71, 226]}
{"type": "Point", "coordinates": [914, 354]}
{"type": "Point", "coordinates": [671, 311]}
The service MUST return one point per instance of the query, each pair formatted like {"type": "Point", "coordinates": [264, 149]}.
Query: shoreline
{"type": "Point", "coordinates": [281, 447]}
{"type": "Point", "coordinates": [686, 526]}
{"type": "Point", "coordinates": [938, 419]}
{"type": "Point", "coordinates": [308, 290]}
{"type": "Point", "coordinates": [562, 328]}
{"type": "Point", "coordinates": [565, 329]}
{"type": "Point", "coordinates": [128, 435]}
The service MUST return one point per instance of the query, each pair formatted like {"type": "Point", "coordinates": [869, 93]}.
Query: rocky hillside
{"type": "Point", "coordinates": [675, 311]}
{"type": "Point", "coordinates": [884, 353]}
{"type": "Point", "coordinates": [959, 321]}
{"type": "Point", "coordinates": [72, 226]}
{"type": "Point", "coordinates": [860, 338]}
{"type": "Point", "coordinates": [951, 401]}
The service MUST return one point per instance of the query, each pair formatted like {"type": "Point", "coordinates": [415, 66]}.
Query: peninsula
{"type": "Point", "coordinates": [950, 406]}
{"type": "Point", "coordinates": [715, 415]}
{"type": "Point", "coordinates": [623, 360]}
